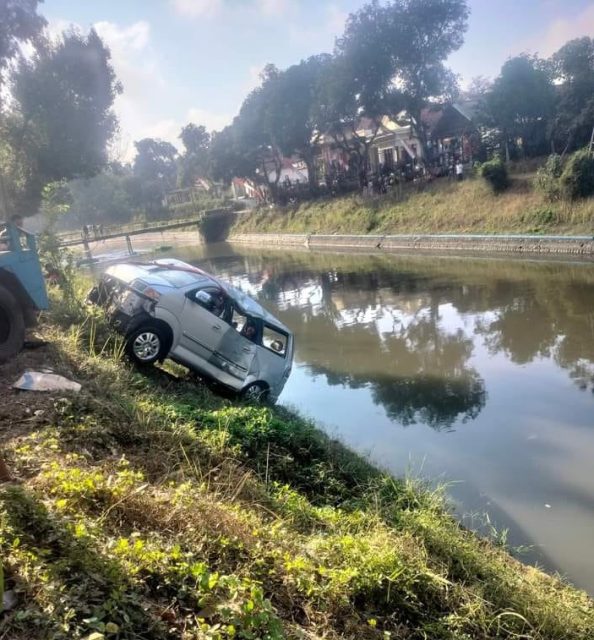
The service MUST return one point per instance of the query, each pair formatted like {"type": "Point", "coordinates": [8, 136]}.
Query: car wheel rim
{"type": "Point", "coordinates": [254, 392]}
{"type": "Point", "coordinates": [146, 346]}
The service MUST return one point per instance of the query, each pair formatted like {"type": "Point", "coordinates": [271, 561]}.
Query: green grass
{"type": "Point", "coordinates": [149, 508]}
{"type": "Point", "coordinates": [440, 207]}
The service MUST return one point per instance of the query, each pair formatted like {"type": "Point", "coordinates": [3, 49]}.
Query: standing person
{"type": "Point", "coordinates": [459, 170]}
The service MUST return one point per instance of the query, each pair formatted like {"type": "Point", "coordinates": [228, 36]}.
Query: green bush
{"type": "Point", "coordinates": [495, 173]}
{"type": "Point", "coordinates": [547, 178]}
{"type": "Point", "coordinates": [577, 179]}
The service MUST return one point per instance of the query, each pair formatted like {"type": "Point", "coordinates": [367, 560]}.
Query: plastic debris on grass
{"type": "Point", "coordinates": [43, 381]}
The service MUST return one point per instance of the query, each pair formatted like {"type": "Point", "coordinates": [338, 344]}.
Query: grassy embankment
{"type": "Point", "coordinates": [150, 508]}
{"type": "Point", "coordinates": [440, 207]}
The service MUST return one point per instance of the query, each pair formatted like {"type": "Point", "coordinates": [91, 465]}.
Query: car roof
{"type": "Point", "coordinates": [154, 274]}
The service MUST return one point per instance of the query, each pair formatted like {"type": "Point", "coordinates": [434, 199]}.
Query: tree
{"type": "Point", "coordinates": [63, 114]}
{"type": "Point", "coordinates": [251, 143]}
{"type": "Point", "coordinates": [357, 84]}
{"type": "Point", "coordinates": [107, 198]}
{"type": "Point", "coordinates": [194, 162]}
{"type": "Point", "coordinates": [521, 103]}
{"type": "Point", "coordinates": [397, 52]}
{"type": "Point", "coordinates": [156, 169]}
{"type": "Point", "coordinates": [573, 69]}
{"type": "Point", "coordinates": [19, 22]}
{"type": "Point", "coordinates": [289, 116]}
{"type": "Point", "coordinates": [223, 156]}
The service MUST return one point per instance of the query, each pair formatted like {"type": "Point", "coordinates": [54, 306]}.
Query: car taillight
{"type": "Point", "coordinates": [151, 293]}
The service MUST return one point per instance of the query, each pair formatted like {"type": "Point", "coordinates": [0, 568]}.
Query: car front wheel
{"type": "Point", "coordinates": [257, 392]}
{"type": "Point", "coordinates": [145, 345]}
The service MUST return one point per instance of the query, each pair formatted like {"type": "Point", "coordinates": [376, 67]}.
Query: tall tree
{"type": "Point", "coordinates": [64, 115]}
{"type": "Point", "coordinates": [573, 69]}
{"type": "Point", "coordinates": [289, 117]}
{"type": "Point", "coordinates": [398, 51]}
{"type": "Point", "coordinates": [156, 169]}
{"type": "Point", "coordinates": [255, 137]}
{"type": "Point", "coordinates": [194, 161]}
{"type": "Point", "coordinates": [19, 23]}
{"type": "Point", "coordinates": [521, 103]}
{"type": "Point", "coordinates": [358, 84]}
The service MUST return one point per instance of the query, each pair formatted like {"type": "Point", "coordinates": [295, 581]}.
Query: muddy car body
{"type": "Point", "coordinates": [169, 309]}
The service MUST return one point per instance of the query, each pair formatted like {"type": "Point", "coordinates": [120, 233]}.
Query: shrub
{"type": "Point", "coordinates": [547, 178]}
{"type": "Point", "coordinates": [577, 179]}
{"type": "Point", "coordinates": [495, 173]}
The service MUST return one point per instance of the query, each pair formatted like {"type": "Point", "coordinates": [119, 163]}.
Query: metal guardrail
{"type": "Point", "coordinates": [112, 230]}
{"type": "Point", "coordinates": [71, 240]}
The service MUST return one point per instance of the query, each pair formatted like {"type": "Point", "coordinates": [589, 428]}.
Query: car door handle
{"type": "Point", "coordinates": [216, 327]}
{"type": "Point", "coordinates": [246, 349]}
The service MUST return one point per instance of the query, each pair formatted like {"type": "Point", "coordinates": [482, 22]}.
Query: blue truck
{"type": "Point", "coordinates": [22, 288]}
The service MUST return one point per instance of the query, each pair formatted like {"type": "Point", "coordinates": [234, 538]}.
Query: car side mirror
{"type": "Point", "coordinates": [204, 298]}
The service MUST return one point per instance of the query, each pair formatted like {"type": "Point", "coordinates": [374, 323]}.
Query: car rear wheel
{"type": "Point", "coordinates": [12, 325]}
{"type": "Point", "coordinates": [145, 345]}
{"type": "Point", "coordinates": [257, 392]}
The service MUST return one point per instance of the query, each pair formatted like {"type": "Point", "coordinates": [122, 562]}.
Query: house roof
{"type": "Point", "coordinates": [446, 121]}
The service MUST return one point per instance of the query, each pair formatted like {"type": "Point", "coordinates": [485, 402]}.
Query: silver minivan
{"type": "Point", "coordinates": [170, 309]}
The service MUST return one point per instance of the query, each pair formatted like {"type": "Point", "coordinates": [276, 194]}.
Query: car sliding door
{"type": "Point", "coordinates": [201, 328]}
{"type": "Point", "coordinates": [237, 349]}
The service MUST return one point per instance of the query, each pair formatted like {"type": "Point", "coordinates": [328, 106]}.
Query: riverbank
{"type": "Point", "coordinates": [519, 244]}
{"type": "Point", "coordinates": [442, 207]}
{"type": "Point", "coordinates": [149, 507]}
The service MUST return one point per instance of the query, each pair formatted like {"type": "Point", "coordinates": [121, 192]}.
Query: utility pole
{"type": "Point", "coordinates": [591, 147]}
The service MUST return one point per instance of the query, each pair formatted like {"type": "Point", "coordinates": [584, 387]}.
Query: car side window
{"type": "Point", "coordinates": [274, 341]}
{"type": "Point", "coordinates": [211, 299]}
{"type": "Point", "coordinates": [246, 326]}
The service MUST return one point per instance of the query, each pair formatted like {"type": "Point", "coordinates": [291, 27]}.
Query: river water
{"type": "Point", "coordinates": [474, 371]}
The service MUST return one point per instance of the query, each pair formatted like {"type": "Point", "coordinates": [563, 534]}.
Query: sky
{"type": "Point", "coordinates": [183, 61]}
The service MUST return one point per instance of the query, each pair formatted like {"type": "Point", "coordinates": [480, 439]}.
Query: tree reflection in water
{"type": "Point", "coordinates": [375, 329]}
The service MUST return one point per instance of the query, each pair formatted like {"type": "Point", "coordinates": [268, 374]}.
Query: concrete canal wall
{"type": "Point", "coordinates": [570, 245]}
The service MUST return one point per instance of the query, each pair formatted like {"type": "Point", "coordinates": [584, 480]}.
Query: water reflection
{"type": "Point", "coordinates": [390, 311]}
{"type": "Point", "coordinates": [492, 361]}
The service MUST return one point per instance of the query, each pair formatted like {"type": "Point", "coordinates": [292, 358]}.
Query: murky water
{"type": "Point", "coordinates": [471, 370]}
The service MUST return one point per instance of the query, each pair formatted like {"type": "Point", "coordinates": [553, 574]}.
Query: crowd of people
{"type": "Point", "coordinates": [383, 179]}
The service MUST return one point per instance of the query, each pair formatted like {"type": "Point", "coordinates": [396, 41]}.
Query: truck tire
{"type": "Point", "coordinates": [12, 325]}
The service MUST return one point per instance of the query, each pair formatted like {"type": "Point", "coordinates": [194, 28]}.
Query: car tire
{"type": "Point", "coordinates": [146, 345]}
{"type": "Point", "coordinates": [256, 393]}
{"type": "Point", "coordinates": [12, 325]}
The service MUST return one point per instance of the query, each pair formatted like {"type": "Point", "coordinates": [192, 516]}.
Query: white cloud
{"type": "Point", "coordinates": [336, 19]}
{"type": "Point", "coordinates": [320, 36]}
{"type": "Point", "coordinates": [195, 8]}
{"type": "Point", "coordinates": [135, 37]}
{"type": "Point", "coordinates": [559, 32]}
{"type": "Point", "coordinates": [210, 8]}
{"type": "Point", "coordinates": [212, 121]}
{"type": "Point", "coordinates": [274, 7]}
{"type": "Point", "coordinates": [168, 129]}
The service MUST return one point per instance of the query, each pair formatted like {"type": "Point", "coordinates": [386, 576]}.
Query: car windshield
{"type": "Point", "coordinates": [178, 278]}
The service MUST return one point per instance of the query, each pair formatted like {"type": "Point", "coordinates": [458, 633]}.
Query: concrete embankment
{"type": "Point", "coordinates": [529, 244]}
